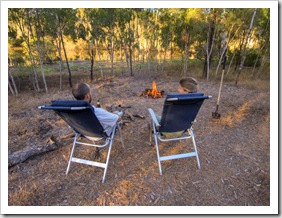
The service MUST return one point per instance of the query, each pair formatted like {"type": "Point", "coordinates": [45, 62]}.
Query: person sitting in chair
{"type": "Point", "coordinates": [82, 91]}
{"type": "Point", "coordinates": [186, 85]}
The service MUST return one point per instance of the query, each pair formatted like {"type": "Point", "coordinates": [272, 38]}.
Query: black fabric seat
{"type": "Point", "coordinates": [178, 114]}
{"type": "Point", "coordinates": [80, 116]}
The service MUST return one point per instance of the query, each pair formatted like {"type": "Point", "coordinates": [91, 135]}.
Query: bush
{"type": "Point", "coordinates": [251, 57]}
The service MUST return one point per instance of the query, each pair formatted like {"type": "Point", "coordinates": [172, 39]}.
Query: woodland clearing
{"type": "Point", "coordinates": [234, 151]}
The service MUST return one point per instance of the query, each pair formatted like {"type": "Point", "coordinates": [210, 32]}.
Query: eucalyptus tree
{"type": "Point", "coordinates": [101, 37]}
{"type": "Point", "coordinates": [263, 36]}
{"type": "Point", "coordinates": [231, 25]}
{"type": "Point", "coordinates": [138, 32]}
{"type": "Point", "coordinates": [226, 37]}
{"type": "Point", "coordinates": [212, 19]}
{"type": "Point", "coordinates": [52, 29]}
{"type": "Point", "coordinates": [86, 17]}
{"type": "Point", "coordinates": [126, 34]}
{"type": "Point", "coordinates": [63, 21]}
{"type": "Point", "coordinates": [148, 24]}
{"type": "Point", "coordinates": [243, 55]}
{"type": "Point", "coordinates": [109, 24]}
{"type": "Point", "coordinates": [96, 34]}
{"type": "Point", "coordinates": [237, 22]}
{"type": "Point", "coordinates": [12, 85]}
{"type": "Point", "coordinates": [188, 27]}
{"type": "Point", "coordinates": [167, 22]}
{"type": "Point", "coordinates": [16, 54]}
{"type": "Point", "coordinates": [39, 23]}
{"type": "Point", "coordinates": [90, 19]}
{"type": "Point", "coordinates": [22, 18]}
{"type": "Point", "coordinates": [156, 39]}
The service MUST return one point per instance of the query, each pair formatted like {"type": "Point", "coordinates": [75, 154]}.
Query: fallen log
{"type": "Point", "coordinates": [38, 148]}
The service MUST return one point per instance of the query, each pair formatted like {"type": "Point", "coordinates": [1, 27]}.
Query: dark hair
{"type": "Point", "coordinates": [80, 91]}
{"type": "Point", "coordinates": [189, 84]}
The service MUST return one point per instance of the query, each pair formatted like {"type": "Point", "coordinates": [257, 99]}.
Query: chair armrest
{"type": "Point", "coordinates": [154, 118]}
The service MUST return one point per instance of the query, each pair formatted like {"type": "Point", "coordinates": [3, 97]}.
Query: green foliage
{"type": "Point", "coordinates": [251, 58]}
{"type": "Point", "coordinates": [147, 33]}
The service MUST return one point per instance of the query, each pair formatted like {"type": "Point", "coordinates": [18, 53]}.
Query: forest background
{"type": "Point", "coordinates": [119, 41]}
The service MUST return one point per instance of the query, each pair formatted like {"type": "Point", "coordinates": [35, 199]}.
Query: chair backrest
{"type": "Point", "coordinates": [180, 110]}
{"type": "Point", "coordinates": [80, 115]}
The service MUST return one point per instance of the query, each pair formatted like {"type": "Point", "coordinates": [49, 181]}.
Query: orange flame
{"type": "Point", "coordinates": [154, 93]}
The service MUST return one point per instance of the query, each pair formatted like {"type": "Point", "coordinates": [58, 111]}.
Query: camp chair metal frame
{"type": "Point", "coordinates": [69, 111]}
{"type": "Point", "coordinates": [177, 122]}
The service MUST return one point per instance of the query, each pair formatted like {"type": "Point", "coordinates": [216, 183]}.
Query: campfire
{"type": "Point", "coordinates": [152, 93]}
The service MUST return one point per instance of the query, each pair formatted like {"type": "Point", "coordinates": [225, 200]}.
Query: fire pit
{"type": "Point", "coordinates": [153, 92]}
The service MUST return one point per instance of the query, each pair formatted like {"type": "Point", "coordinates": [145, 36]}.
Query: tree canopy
{"type": "Point", "coordinates": [150, 36]}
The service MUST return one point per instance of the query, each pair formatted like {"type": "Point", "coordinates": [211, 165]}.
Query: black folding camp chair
{"type": "Point", "coordinates": [80, 116]}
{"type": "Point", "coordinates": [178, 115]}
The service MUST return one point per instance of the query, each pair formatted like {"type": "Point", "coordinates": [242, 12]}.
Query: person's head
{"type": "Point", "coordinates": [188, 84]}
{"type": "Point", "coordinates": [81, 91]}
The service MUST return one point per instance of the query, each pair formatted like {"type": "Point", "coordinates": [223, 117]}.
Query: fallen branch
{"type": "Point", "coordinates": [139, 115]}
{"type": "Point", "coordinates": [38, 148]}
{"type": "Point", "coordinates": [129, 115]}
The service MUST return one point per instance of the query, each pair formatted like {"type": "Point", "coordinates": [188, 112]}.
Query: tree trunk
{"type": "Point", "coordinates": [231, 61]}
{"type": "Point", "coordinates": [262, 64]}
{"type": "Point", "coordinates": [10, 88]}
{"type": "Point", "coordinates": [260, 49]}
{"type": "Point", "coordinates": [220, 59]}
{"type": "Point", "coordinates": [100, 61]}
{"type": "Point", "coordinates": [185, 60]}
{"type": "Point", "coordinates": [209, 47]}
{"type": "Point", "coordinates": [139, 44]}
{"type": "Point", "coordinates": [13, 88]}
{"type": "Point", "coordinates": [244, 50]}
{"type": "Point", "coordinates": [61, 61]}
{"type": "Point", "coordinates": [126, 57]}
{"type": "Point", "coordinates": [130, 52]}
{"type": "Point", "coordinates": [164, 59]}
{"type": "Point", "coordinates": [237, 60]}
{"type": "Point", "coordinates": [148, 57]}
{"type": "Point", "coordinates": [35, 77]}
{"type": "Point", "coordinates": [156, 55]}
{"type": "Point", "coordinates": [92, 56]}
{"type": "Point", "coordinates": [42, 69]}
{"type": "Point", "coordinates": [225, 46]}
{"type": "Point", "coordinates": [171, 51]}
{"type": "Point", "coordinates": [66, 57]}
{"type": "Point", "coordinates": [30, 34]}
{"type": "Point", "coordinates": [112, 56]}
{"type": "Point", "coordinates": [39, 50]}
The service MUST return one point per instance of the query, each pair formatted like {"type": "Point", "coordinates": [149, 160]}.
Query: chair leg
{"type": "Point", "coordinates": [72, 151]}
{"type": "Point", "coordinates": [150, 134]}
{"type": "Point", "coordinates": [108, 156]}
{"type": "Point", "coordinates": [157, 147]}
{"type": "Point", "coordinates": [158, 154]}
{"type": "Point", "coordinates": [195, 148]}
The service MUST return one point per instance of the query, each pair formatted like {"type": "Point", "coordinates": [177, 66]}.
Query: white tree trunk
{"type": "Point", "coordinates": [245, 46]}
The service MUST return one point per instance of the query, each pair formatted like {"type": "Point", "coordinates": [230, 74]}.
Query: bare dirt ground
{"type": "Point", "coordinates": [234, 151]}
